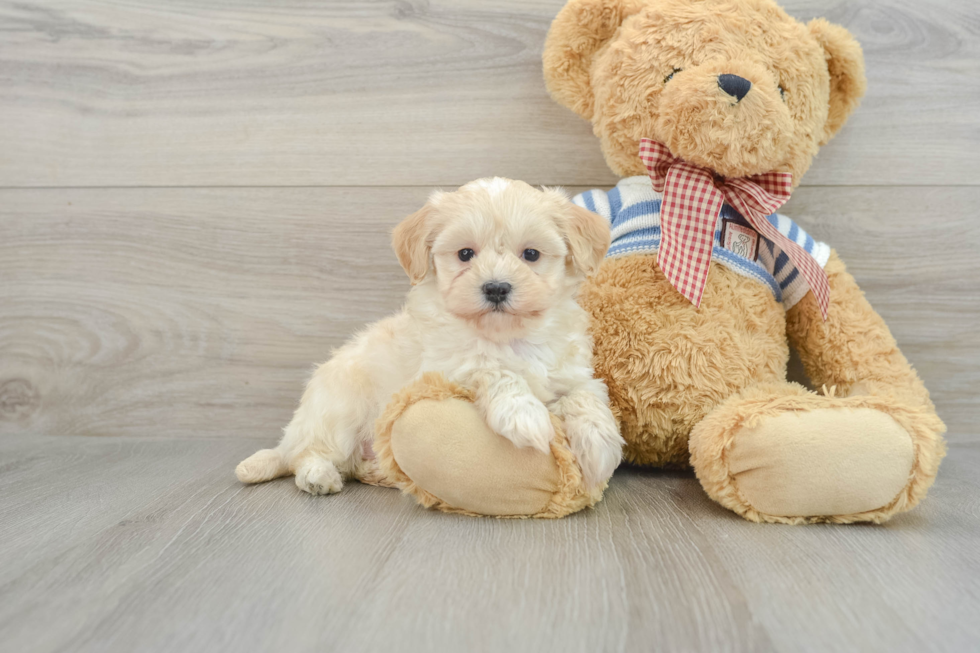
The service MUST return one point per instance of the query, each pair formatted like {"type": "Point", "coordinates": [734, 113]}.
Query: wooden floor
{"type": "Point", "coordinates": [195, 201]}
{"type": "Point", "coordinates": [139, 544]}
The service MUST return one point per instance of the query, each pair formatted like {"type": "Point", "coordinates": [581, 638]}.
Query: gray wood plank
{"type": "Point", "coordinates": [186, 301]}
{"type": "Point", "coordinates": [196, 562]}
{"type": "Point", "coordinates": [57, 490]}
{"type": "Point", "coordinates": [191, 312]}
{"type": "Point", "coordinates": [242, 92]}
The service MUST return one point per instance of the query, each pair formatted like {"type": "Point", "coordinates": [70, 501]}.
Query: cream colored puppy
{"type": "Point", "coordinates": [495, 268]}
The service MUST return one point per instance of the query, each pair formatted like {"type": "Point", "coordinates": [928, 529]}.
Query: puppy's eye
{"type": "Point", "coordinates": [782, 93]}
{"type": "Point", "coordinates": [531, 255]}
{"type": "Point", "coordinates": [465, 254]}
{"type": "Point", "coordinates": [671, 75]}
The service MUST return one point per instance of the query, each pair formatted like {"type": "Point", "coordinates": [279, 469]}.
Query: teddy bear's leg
{"type": "Point", "coordinates": [779, 453]}
{"type": "Point", "coordinates": [868, 448]}
{"type": "Point", "coordinates": [433, 444]}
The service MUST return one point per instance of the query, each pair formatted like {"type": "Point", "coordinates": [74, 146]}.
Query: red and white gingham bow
{"type": "Point", "coordinates": [692, 200]}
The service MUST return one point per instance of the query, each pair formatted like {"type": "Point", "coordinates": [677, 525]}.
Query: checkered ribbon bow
{"type": "Point", "coordinates": [693, 197]}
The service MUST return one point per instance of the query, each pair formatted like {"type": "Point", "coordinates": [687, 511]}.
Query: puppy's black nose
{"type": "Point", "coordinates": [734, 85]}
{"type": "Point", "coordinates": [496, 291]}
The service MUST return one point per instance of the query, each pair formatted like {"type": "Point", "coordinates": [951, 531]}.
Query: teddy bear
{"type": "Point", "coordinates": [711, 111]}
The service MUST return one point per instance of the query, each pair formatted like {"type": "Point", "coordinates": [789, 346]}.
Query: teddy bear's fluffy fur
{"type": "Point", "coordinates": [705, 386]}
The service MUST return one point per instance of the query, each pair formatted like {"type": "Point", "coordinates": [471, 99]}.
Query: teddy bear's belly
{"type": "Point", "coordinates": [668, 363]}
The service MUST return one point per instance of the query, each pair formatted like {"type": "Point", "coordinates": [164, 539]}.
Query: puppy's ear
{"type": "Point", "coordinates": [588, 237]}
{"type": "Point", "coordinates": [411, 241]}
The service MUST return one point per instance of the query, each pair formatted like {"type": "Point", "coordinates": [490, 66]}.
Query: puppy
{"type": "Point", "coordinates": [495, 267]}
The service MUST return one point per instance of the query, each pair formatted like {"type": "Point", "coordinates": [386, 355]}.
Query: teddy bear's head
{"type": "Point", "coordinates": [737, 86]}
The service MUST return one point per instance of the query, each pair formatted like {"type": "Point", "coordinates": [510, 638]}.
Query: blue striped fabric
{"type": "Point", "coordinates": [633, 211]}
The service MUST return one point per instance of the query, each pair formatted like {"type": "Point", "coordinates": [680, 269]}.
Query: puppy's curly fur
{"type": "Point", "coordinates": [495, 268]}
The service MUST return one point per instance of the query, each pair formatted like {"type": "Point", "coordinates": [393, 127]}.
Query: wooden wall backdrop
{"type": "Point", "coordinates": [195, 195]}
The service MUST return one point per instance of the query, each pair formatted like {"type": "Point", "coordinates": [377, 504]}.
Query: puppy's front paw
{"type": "Point", "coordinates": [523, 420]}
{"type": "Point", "coordinates": [597, 445]}
{"type": "Point", "coordinates": [318, 476]}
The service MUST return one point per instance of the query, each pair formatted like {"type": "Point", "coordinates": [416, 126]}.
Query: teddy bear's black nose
{"type": "Point", "coordinates": [734, 85]}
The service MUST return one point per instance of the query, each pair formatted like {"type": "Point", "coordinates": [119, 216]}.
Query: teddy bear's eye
{"type": "Point", "coordinates": [782, 93]}
{"type": "Point", "coordinates": [671, 75]}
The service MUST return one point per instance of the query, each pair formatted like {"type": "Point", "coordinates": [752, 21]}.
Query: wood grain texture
{"type": "Point", "coordinates": [197, 311]}
{"type": "Point", "coordinates": [124, 544]}
{"type": "Point", "coordinates": [310, 92]}
{"type": "Point", "coordinates": [193, 312]}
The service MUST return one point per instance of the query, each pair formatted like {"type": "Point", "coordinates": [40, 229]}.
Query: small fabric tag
{"type": "Point", "coordinates": [739, 239]}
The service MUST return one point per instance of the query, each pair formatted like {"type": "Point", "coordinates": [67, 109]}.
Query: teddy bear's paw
{"type": "Point", "coordinates": [597, 445]}
{"type": "Point", "coordinates": [523, 420]}
{"type": "Point", "coordinates": [318, 476]}
{"type": "Point", "coordinates": [844, 463]}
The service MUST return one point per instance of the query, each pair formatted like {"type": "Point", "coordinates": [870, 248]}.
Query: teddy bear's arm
{"type": "Point", "coordinates": [853, 349]}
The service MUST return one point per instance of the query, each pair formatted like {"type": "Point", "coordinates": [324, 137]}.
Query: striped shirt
{"type": "Point", "coordinates": [633, 211]}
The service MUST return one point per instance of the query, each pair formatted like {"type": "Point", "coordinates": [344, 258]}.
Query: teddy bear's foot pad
{"type": "Point", "coordinates": [823, 462]}
{"type": "Point", "coordinates": [447, 450]}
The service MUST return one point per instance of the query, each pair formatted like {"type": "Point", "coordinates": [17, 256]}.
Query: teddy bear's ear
{"type": "Point", "coordinates": [577, 33]}
{"type": "Point", "coordinates": [845, 61]}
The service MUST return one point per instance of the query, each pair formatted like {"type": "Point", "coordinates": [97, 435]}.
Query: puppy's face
{"type": "Point", "coordinates": [499, 251]}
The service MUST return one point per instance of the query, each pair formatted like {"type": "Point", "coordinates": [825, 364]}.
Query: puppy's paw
{"type": "Point", "coordinates": [523, 420]}
{"type": "Point", "coordinates": [318, 476]}
{"type": "Point", "coordinates": [597, 445]}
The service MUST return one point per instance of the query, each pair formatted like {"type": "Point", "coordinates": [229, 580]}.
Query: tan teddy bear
{"type": "Point", "coordinates": [740, 89]}
{"type": "Point", "coordinates": [712, 111]}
